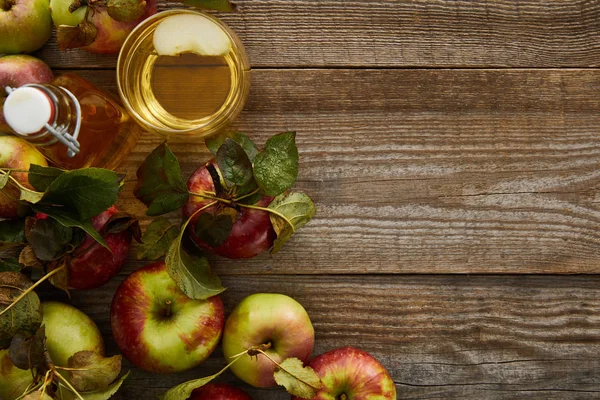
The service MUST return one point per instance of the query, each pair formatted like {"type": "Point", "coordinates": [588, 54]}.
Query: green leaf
{"type": "Point", "coordinates": [298, 208]}
{"type": "Point", "coordinates": [160, 185]}
{"type": "Point", "coordinates": [25, 316]}
{"type": "Point", "coordinates": [42, 177]}
{"type": "Point", "coordinates": [192, 273]}
{"type": "Point", "coordinates": [298, 380]}
{"type": "Point", "coordinates": [240, 138]}
{"type": "Point", "coordinates": [157, 239]}
{"type": "Point", "coordinates": [234, 163]}
{"type": "Point", "coordinates": [87, 192]}
{"type": "Point", "coordinates": [12, 231]}
{"type": "Point", "coordinates": [69, 219]}
{"type": "Point", "coordinates": [10, 264]}
{"type": "Point", "coordinates": [31, 196]}
{"type": "Point", "coordinates": [213, 229]}
{"type": "Point", "coordinates": [48, 238]}
{"type": "Point", "coordinates": [66, 394]}
{"type": "Point", "coordinates": [92, 371]}
{"type": "Point", "coordinates": [4, 178]}
{"type": "Point", "coordinates": [217, 5]}
{"type": "Point", "coordinates": [276, 166]}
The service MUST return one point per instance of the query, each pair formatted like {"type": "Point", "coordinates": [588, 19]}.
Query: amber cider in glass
{"type": "Point", "coordinates": [187, 94]}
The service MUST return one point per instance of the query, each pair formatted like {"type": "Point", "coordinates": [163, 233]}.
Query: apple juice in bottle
{"type": "Point", "coordinates": [183, 74]}
{"type": "Point", "coordinates": [74, 123]}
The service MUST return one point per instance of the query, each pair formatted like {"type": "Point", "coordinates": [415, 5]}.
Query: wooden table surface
{"type": "Point", "coordinates": [452, 149]}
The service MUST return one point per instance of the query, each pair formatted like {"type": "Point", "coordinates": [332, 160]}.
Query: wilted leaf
{"type": "Point", "coordinates": [37, 395]}
{"type": "Point", "coordinates": [213, 229]}
{"type": "Point", "coordinates": [276, 166]}
{"type": "Point", "coordinates": [157, 239]}
{"type": "Point", "coordinates": [92, 371]}
{"type": "Point", "coordinates": [72, 37]}
{"type": "Point", "coordinates": [240, 138]}
{"type": "Point", "coordinates": [48, 238]}
{"type": "Point", "coordinates": [31, 196]}
{"type": "Point", "coordinates": [122, 221]}
{"type": "Point", "coordinates": [192, 273]}
{"type": "Point", "coordinates": [66, 394]}
{"type": "Point", "coordinates": [59, 279]}
{"type": "Point", "coordinates": [126, 10]}
{"type": "Point", "coordinates": [25, 316]}
{"type": "Point", "coordinates": [234, 163]}
{"type": "Point", "coordinates": [88, 191]}
{"type": "Point", "coordinates": [217, 5]}
{"type": "Point", "coordinates": [28, 259]}
{"type": "Point", "coordinates": [10, 264]}
{"type": "Point", "coordinates": [27, 351]}
{"type": "Point", "coordinates": [4, 178]}
{"type": "Point", "coordinates": [298, 208]}
{"type": "Point", "coordinates": [12, 231]}
{"type": "Point", "coordinates": [42, 177]}
{"type": "Point", "coordinates": [298, 380]}
{"type": "Point", "coordinates": [160, 185]}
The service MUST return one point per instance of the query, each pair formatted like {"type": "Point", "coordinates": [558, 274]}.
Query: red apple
{"type": "Point", "coordinates": [160, 329]}
{"type": "Point", "coordinates": [19, 154]}
{"type": "Point", "coordinates": [111, 33]}
{"type": "Point", "coordinates": [352, 374]}
{"type": "Point", "coordinates": [252, 232]}
{"type": "Point", "coordinates": [19, 70]}
{"type": "Point", "coordinates": [219, 391]}
{"type": "Point", "coordinates": [92, 264]}
{"type": "Point", "coordinates": [274, 320]}
{"type": "Point", "coordinates": [25, 25]}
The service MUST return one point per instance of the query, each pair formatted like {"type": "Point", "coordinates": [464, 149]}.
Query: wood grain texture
{"type": "Point", "coordinates": [440, 336]}
{"type": "Point", "coordinates": [402, 33]}
{"type": "Point", "coordinates": [429, 171]}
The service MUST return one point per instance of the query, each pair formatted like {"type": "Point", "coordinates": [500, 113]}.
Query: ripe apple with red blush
{"type": "Point", "coordinates": [219, 391]}
{"type": "Point", "coordinates": [252, 233]}
{"type": "Point", "coordinates": [160, 329]}
{"type": "Point", "coordinates": [348, 373]}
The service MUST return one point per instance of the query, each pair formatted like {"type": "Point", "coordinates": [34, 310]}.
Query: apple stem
{"type": "Point", "coordinates": [66, 382]}
{"type": "Point", "coordinates": [30, 289]}
{"type": "Point", "coordinates": [259, 350]}
{"type": "Point", "coordinates": [246, 195]}
{"type": "Point", "coordinates": [343, 397]}
{"type": "Point", "coordinates": [168, 308]}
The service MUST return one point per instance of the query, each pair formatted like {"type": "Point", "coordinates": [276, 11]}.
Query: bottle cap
{"type": "Point", "coordinates": [27, 110]}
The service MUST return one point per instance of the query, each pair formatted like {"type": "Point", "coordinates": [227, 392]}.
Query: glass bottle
{"type": "Point", "coordinates": [72, 122]}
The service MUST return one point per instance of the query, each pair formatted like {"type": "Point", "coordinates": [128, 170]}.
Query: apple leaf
{"type": "Point", "coordinates": [27, 258]}
{"type": "Point", "coordinates": [160, 185]}
{"type": "Point", "coordinates": [27, 351]}
{"type": "Point", "coordinates": [214, 143]}
{"type": "Point", "coordinates": [48, 238]}
{"type": "Point", "coordinates": [37, 395]}
{"type": "Point", "coordinates": [42, 177]}
{"type": "Point", "coordinates": [126, 10]}
{"type": "Point", "coordinates": [123, 221]}
{"type": "Point", "coordinates": [298, 380]}
{"type": "Point", "coordinates": [4, 178]}
{"type": "Point", "coordinates": [72, 37]}
{"type": "Point", "coordinates": [191, 272]}
{"type": "Point", "coordinates": [157, 239]}
{"type": "Point", "coordinates": [217, 5]}
{"type": "Point", "coordinates": [31, 196]}
{"type": "Point", "coordinates": [87, 191]}
{"type": "Point", "coordinates": [234, 163]}
{"type": "Point", "coordinates": [25, 316]}
{"type": "Point", "coordinates": [105, 394]}
{"type": "Point", "coordinates": [213, 229]}
{"type": "Point", "coordinates": [12, 231]}
{"type": "Point", "coordinates": [276, 166]}
{"type": "Point", "coordinates": [91, 371]}
{"type": "Point", "coordinates": [10, 264]}
{"type": "Point", "coordinates": [69, 219]}
{"type": "Point", "coordinates": [298, 208]}
{"type": "Point", "coordinates": [60, 279]}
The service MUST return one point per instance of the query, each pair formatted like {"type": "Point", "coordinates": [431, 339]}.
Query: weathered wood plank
{"type": "Point", "coordinates": [422, 33]}
{"type": "Point", "coordinates": [440, 336]}
{"type": "Point", "coordinates": [428, 171]}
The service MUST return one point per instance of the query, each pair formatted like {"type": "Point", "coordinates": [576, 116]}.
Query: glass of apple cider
{"type": "Point", "coordinates": [183, 72]}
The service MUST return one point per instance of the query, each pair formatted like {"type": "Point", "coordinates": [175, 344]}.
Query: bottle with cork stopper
{"type": "Point", "coordinates": [72, 122]}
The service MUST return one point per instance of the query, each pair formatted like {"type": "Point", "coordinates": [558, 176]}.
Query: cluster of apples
{"type": "Point", "coordinates": [26, 25]}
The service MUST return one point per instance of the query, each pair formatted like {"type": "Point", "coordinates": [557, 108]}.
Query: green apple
{"type": "Point", "coordinates": [158, 328]}
{"type": "Point", "coordinates": [69, 331]}
{"type": "Point", "coordinates": [13, 380]}
{"type": "Point", "coordinates": [16, 153]}
{"type": "Point", "coordinates": [25, 25]}
{"type": "Point", "coordinates": [274, 320]}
